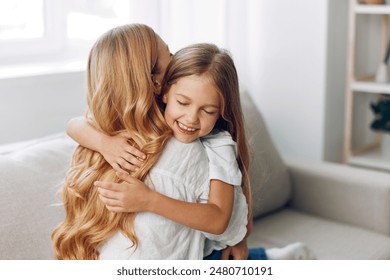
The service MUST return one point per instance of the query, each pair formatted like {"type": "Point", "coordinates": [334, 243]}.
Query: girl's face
{"type": "Point", "coordinates": [193, 107]}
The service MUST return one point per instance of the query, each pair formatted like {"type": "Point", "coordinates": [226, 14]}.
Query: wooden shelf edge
{"type": "Point", "coordinates": [371, 87]}
{"type": "Point", "coordinates": [372, 9]}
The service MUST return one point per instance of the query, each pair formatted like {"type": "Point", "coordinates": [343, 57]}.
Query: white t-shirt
{"type": "Point", "coordinates": [182, 172]}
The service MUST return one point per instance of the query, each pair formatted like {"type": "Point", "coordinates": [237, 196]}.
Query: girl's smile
{"type": "Point", "coordinates": [185, 129]}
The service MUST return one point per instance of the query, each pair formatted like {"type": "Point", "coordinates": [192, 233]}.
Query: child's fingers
{"type": "Point", "coordinates": [118, 168]}
{"type": "Point", "coordinates": [138, 154]}
{"type": "Point", "coordinates": [132, 160]}
{"type": "Point", "coordinates": [125, 177]}
{"type": "Point", "coordinates": [127, 165]}
{"type": "Point", "coordinates": [115, 209]}
{"type": "Point", "coordinates": [115, 187]}
{"type": "Point", "coordinates": [109, 194]}
{"type": "Point", "coordinates": [109, 202]}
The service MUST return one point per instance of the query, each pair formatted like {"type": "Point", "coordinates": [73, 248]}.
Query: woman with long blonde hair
{"type": "Point", "coordinates": [122, 69]}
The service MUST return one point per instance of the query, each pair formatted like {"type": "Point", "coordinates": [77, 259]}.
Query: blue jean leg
{"type": "Point", "coordinates": [253, 254]}
{"type": "Point", "coordinates": [257, 254]}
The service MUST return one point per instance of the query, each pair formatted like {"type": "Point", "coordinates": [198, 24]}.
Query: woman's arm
{"type": "Point", "coordinates": [134, 196]}
{"type": "Point", "coordinates": [115, 149]}
{"type": "Point", "coordinates": [237, 252]}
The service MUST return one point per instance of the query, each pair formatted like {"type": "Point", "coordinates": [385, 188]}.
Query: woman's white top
{"type": "Point", "coordinates": [182, 172]}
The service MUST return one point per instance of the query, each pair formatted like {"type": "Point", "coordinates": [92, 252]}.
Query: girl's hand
{"type": "Point", "coordinates": [129, 196]}
{"type": "Point", "coordinates": [118, 152]}
{"type": "Point", "coordinates": [238, 251]}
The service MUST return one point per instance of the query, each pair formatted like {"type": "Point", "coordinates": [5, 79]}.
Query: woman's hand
{"type": "Point", "coordinates": [118, 152]}
{"type": "Point", "coordinates": [131, 195]}
{"type": "Point", "coordinates": [238, 251]}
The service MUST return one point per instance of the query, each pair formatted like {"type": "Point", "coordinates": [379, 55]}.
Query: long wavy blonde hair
{"type": "Point", "coordinates": [120, 98]}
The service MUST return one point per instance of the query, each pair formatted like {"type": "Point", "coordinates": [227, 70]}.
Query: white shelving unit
{"type": "Point", "coordinates": [370, 87]}
{"type": "Point", "coordinates": [371, 9]}
{"type": "Point", "coordinates": [368, 154]}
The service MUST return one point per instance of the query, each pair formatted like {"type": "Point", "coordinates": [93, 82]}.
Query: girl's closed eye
{"type": "Point", "coordinates": [210, 112]}
{"type": "Point", "coordinates": [182, 103]}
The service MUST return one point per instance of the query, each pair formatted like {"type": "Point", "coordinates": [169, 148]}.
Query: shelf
{"type": "Point", "coordinates": [371, 87]}
{"type": "Point", "coordinates": [373, 9]}
{"type": "Point", "coordinates": [373, 159]}
{"type": "Point", "coordinates": [373, 155]}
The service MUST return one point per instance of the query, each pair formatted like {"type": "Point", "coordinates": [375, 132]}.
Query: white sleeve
{"type": "Point", "coordinates": [222, 154]}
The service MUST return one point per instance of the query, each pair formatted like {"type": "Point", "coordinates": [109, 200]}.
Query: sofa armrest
{"type": "Point", "coordinates": [342, 193]}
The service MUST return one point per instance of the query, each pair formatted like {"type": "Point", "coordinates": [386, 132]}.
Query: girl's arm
{"type": "Point", "coordinates": [115, 149]}
{"type": "Point", "coordinates": [134, 196]}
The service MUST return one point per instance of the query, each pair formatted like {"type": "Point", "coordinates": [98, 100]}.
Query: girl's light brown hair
{"type": "Point", "coordinates": [217, 65]}
{"type": "Point", "coordinates": [120, 98]}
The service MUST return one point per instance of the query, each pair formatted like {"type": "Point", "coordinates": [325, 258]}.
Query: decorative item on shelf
{"type": "Point", "coordinates": [382, 114]}
{"type": "Point", "coordinates": [381, 123]}
{"type": "Point", "coordinates": [373, 2]}
{"type": "Point", "coordinates": [382, 73]}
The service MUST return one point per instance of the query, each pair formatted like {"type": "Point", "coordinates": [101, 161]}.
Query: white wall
{"type": "Point", "coordinates": [36, 106]}
{"type": "Point", "coordinates": [286, 71]}
{"type": "Point", "coordinates": [335, 80]}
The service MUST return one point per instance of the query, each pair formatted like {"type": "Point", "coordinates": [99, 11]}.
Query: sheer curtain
{"type": "Point", "coordinates": [230, 24]}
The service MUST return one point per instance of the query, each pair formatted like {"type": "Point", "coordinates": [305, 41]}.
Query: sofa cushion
{"type": "Point", "coordinates": [270, 180]}
{"type": "Point", "coordinates": [329, 240]}
{"type": "Point", "coordinates": [30, 208]}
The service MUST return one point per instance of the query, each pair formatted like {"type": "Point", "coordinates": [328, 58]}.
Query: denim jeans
{"type": "Point", "coordinates": [253, 254]}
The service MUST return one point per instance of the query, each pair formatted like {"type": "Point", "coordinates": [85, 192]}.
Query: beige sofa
{"type": "Point", "coordinates": [340, 212]}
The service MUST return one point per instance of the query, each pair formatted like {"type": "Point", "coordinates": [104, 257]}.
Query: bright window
{"type": "Point", "coordinates": [46, 31]}
{"type": "Point", "coordinates": [21, 19]}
